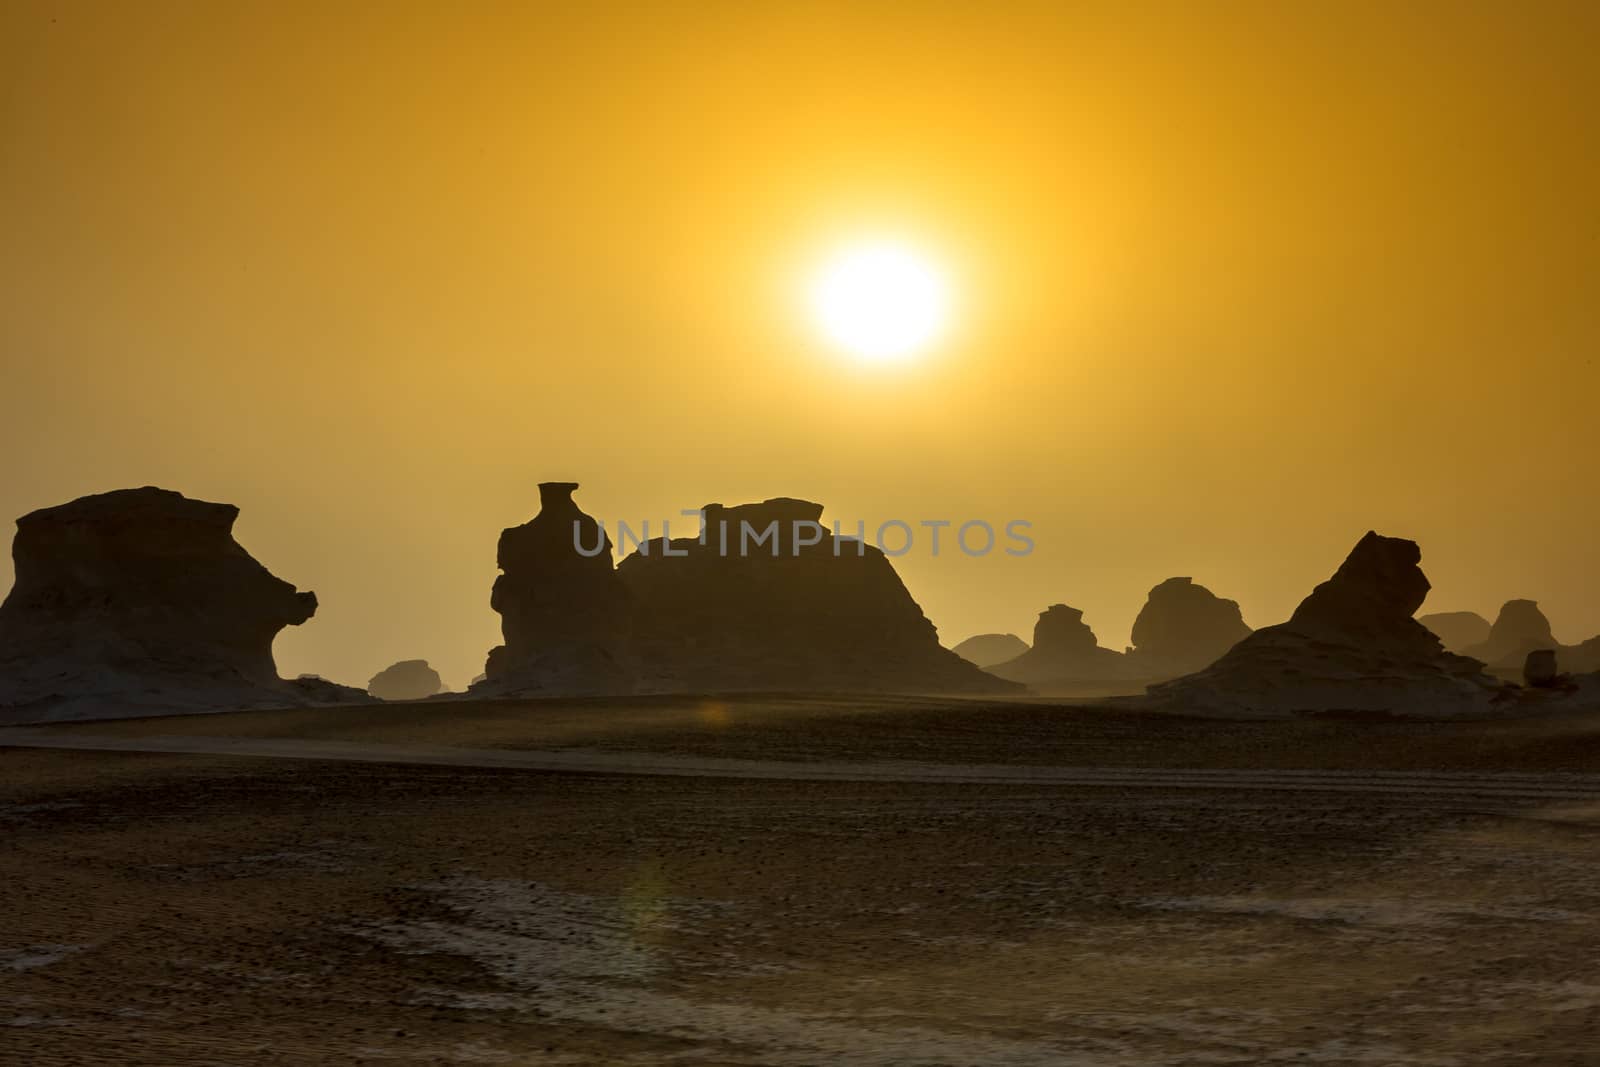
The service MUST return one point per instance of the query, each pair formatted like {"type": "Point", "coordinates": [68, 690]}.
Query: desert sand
{"type": "Point", "coordinates": [799, 880]}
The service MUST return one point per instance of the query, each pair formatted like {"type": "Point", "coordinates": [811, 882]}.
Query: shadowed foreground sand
{"type": "Point", "coordinates": [182, 907]}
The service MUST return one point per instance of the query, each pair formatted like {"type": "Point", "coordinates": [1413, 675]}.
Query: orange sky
{"type": "Point", "coordinates": [1239, 282]}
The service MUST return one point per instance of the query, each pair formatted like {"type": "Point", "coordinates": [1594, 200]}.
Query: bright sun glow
{"type": "Point", "coordinates": [881, 301]}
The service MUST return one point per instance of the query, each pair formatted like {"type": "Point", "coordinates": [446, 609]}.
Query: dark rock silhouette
{"type": "Point", "coordinates": [1182, 628]}
{"type": "Point", "coordinates": [564, 615]}
{"type": "Point", "coordinates": [985, 650]}
{"type": "Point", "coordinates": [1352, 645]}
{"type": "Point", "coordinates": [139, 599]}
{"type": "Point", "coordinates": [1064, 650]}
{"type": "Point", "coordinates": [409, 679]}
{"type": "Point", "coordinates": [1520, 628]}
{"type": "Point", "coordinates": [1582, 658]}
{"type": "Point", "coordinates": [1458, 630]}
{"type": "Point", "coordinates": [772, 600]}
{"type": "Point", "coordinates": [1540, 670]}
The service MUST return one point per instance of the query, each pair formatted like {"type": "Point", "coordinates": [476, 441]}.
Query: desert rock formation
{"type": "Point", "coordinates": [141, 599]}
{"type": "Point", "coordinates": [761, 600]}
{"type": "Point", "coordinates": [798, 610]}
{"type": "Point", "coordinates": [1581, 658]}
{"type": "Point", "coordinates": [1458, 630]}
{"type": "Point", "coordinates": [1520, 628]}
{"type": "Point", "coordinates": [1352, 645]}
{"type": "Point", "coordinates": [1182, 628]}
{"type": "Point", "coordinates": [1539, 670]}
{"type": "Point", "coordinates": [409, 679]}
{"type": "Point", "coordinates": [1064, 650]}
{"type": "Point", "coordinates": [564, 615]}
{"type": "Point", "coordinates": [986, 650]}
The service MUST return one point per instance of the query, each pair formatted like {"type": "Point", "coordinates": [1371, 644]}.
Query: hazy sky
{"type": "Point", "coordinates": [1238, 283]}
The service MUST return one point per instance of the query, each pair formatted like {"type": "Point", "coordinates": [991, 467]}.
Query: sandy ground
{"type": "Point", "coordinates": [799, 881]}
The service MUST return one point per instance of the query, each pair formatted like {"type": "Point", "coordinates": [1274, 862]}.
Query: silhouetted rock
{"type": "Point", "coordinates": [410, 679]}
{"type": "Point", "coordinates": [140, 599]}
{"type": "Point", "coordinates": [564, 615]}
{"type": "Point", "coordinates": [1352, 645]}
{"type": "Point", "coordinates": [771, 600]}
{"type": "Point", "coordinates": [1182, 628]}
{"type": "Point", "coordinates": [1582, 658]}
{"type": "Point", "coordinates": [1458, 630]}
{"type": "Point", "coordinates": [1520, 628]}
{"type": "Point", "coordinates": [1540, 669]}
{"type": "Point", "coordinates": [986, 650]}
{"type": "Point", "coordinates": [1064, 651]}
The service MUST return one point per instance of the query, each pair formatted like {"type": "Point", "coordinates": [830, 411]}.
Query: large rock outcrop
{"type": "Point", "coordinates": [1520, 628]}
{"type": "Point", "coordinates": [1352, 645]}
{"type": "Point", "coordinates": [139, 601]}
{"type": "Point", "coordinates": [986, 650]}
{"type": "Point", "coordinates": [797, 609]}
{"type": "Point", "coordinates": [564, 613]}
{"type": "Point", "coordinates": [1064, 653]}
{"type": "Point", "coordinates": [1458, 630]}
{"type": "Point", "coordinates": [409, 679]}
{"type": "Point", "coordinates": [1182, 628]}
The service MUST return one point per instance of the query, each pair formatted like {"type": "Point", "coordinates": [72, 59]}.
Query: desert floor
{"type": "Point", "coordinates": [798, 881]}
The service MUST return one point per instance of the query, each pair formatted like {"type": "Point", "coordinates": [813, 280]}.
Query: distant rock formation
{"type": "Point", "coordinates": [1064, 650]}
{"type": "Point", "coordinates": [140, 600]}
{"type": "Point", "coordinates": [985, 650]}
{"type": "Point", "coordinates": [1583, 658]}
{"type": "Point", "coordinates": [768, 598]}
{"type": "Point", "coordinates": [564, 614]}
{"type": "Point", "coordinates": [1352, 645]}
{"type": "Point", "coordinates": [1520, 628]}
{"type": "Point", "coordinates": [1459, 630]}
{"type": "Point", "coordinates": [410, 679]}
{"type": "Point", "coordinates": [1182, 628]}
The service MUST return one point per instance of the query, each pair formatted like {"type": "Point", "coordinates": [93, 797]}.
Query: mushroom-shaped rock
{"type": "Point", "coordinates": [141, 598]}
{"type": "Point", "coordinates": [410, 679]}
{"type": "Point", "coordinates": [1540, 670]}
{"type": "Point", "coordinates": [1520, 628]}
{"type": "Point", "coordinates": [1182, 628]}
{"type": "Point", "coordinates": [1064, 651]}
{"type": "Point", "coordinates": [564, 613]}
{"type": "Point", "coordinates": [1352, 645]}
{"type": "Point", "coordinates": [986, 650]}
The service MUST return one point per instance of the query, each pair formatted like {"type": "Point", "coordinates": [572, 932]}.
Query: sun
{"type": "Point", "coordinates": [881, 301]}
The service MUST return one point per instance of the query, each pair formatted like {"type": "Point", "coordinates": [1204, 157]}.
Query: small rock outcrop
{"type": "Point", "coordinates": [410, 679]}
{"type": "Point", "coordinates": [1540, 669]}
{"type": "Point", "coordinates": [986, 650]}
{"type": "Point", "coordinates": [767, 598]}
{"type": "Point", "coordinates": [1182, 628]}
{"type": "Point", "coordinates": [1352, 645]}
{"type": "Point", "coordinates": [139, 600]}
{"type": "Point", "coordinates": [1458, 630]}
{"type": "Point", "coordinates": [564, 613]}
{"type": "Point", "coordinates": [1064, 651]}
{"type": "Point", "coordinates": [1520, 628]}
